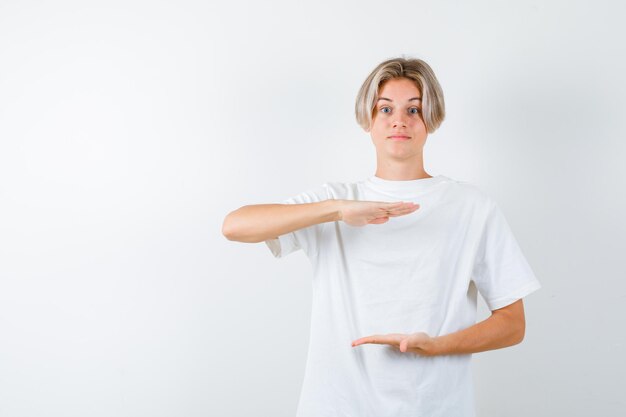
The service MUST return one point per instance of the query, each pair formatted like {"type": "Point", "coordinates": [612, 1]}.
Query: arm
{"type": "Point", "coordinates": [259, 222]}
{"type": "Point", "coordinates": [505, 327]}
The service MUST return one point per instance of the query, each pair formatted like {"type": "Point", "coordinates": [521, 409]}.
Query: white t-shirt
{"type": "Point", "coordinates": [417, 272]}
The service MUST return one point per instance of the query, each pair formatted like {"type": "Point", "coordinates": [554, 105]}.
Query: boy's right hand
{"type": "Point", "coordinates": [360, 213]}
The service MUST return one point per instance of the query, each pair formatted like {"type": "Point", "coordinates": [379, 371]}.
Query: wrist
{"type": "Point", "coordinates": [335, 207]}
{"type": "Point", "coordinates": [436, 346]}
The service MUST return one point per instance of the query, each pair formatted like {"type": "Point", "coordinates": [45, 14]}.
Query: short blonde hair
{"type": "Point", "coordinates": [416, 70]}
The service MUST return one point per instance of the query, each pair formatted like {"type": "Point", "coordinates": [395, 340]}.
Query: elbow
{"type": "Point", "coordinates": [519, 333]}
{"type": "Point", "coordinates": [233, 230]}
{"type": "Point", "coordinates": [513, 322]}
{"type": "Point", "coordinates": [227, 233]}
{"type": "Point", "coordinates": [513, 328]}
{"type": "Point", "coordinates": [228, 228]}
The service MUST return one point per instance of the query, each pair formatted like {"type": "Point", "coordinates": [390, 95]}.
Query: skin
{"type": "Point", "coordinates": [400, 114]}
{"type": "Point", "coordinates": [399, 159]}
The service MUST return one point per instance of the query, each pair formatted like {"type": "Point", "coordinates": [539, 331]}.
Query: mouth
{"type": "Point", "coordinates": [399, 137]}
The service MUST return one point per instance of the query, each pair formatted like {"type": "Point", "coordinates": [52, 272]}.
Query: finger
{"type": "Point", "coordinates": [404, 210]}
{"type": "Point", "coordinates": [360, 341]}
{"type": "Point", "coordinates": [396, 204]}
{"type": "Point", "coordinates": [401, 206]}
{"type": "Point", "coordinates": [407, 206]}
{"type": "Point", "coordinates": [404, 213]}
{"type": "Point", "coordinates": [401, 211]}
{"type": "Point", "coordinates": [369, 339]}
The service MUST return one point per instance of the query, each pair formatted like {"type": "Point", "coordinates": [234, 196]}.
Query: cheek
{"type": "Point", "coordinates": [376, 127]}
{"type": "Point", "coordinates": [379, 131]}
{"type": "Point", "coordinates": [418, 122]}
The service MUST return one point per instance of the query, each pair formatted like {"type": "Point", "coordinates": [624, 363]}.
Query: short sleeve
{"type": "Point", "coordinates": [307, 238]}
{"type": "Point", "coordinates": [501, 272]}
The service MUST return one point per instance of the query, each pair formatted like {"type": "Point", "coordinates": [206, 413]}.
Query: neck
{"type": "Point", "coordinates": [401, 170]}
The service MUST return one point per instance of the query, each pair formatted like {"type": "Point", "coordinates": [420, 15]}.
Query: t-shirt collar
{"type": "Point", "coordinates": [403, 187]}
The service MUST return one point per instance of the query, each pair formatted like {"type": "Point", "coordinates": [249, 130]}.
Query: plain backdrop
{"type": "Point", "coordinates": [130, 129]}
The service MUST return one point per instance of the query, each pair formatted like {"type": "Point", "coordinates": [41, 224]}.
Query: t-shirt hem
{"type": "Point", "coordinates": [275, 245]}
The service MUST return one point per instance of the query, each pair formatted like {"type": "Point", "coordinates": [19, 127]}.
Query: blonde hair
{"type": "Point", "coordinates": [416, 70]}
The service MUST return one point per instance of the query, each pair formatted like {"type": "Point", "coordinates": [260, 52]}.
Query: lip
{"type": "Point", "coordinates": [399, 137]}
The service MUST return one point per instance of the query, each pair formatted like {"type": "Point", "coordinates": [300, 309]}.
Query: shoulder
{"type": "Point", "coordinates": [324, 191]}
{"type": "Point", "coordinates": [469, 192]}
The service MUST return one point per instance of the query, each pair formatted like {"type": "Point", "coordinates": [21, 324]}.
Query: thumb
{"type": "Point", "coordinates": [380, 220]}
{"type": "Point", "coordinates": [404, 345]}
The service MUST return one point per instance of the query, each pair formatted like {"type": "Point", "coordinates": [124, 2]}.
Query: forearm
{"type": "Point", "coordinates": [495, 332]}
{"type": "Point", "coordinates": [259, 222]}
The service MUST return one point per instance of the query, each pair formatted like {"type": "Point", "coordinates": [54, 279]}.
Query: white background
{"type": "Point", "coordinates": [129, 129]}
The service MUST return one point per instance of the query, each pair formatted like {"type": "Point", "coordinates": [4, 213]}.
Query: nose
{"type": "Point", "coordinates": [400, 121]}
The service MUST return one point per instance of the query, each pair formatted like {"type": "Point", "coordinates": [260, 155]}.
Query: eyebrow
{"type": "Point", "coordinates": [411, 99]}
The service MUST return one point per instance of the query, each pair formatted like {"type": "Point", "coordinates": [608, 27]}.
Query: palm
{"type": "Point", "coordinates": [419, 342]}
{"type": "Point", "coordinates": [360, 213]}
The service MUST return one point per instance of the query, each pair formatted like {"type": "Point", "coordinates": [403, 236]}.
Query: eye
{"type": "Point", "coordinates": [417, 110]}
{"type": "Point", "coordinates": [382, 109]}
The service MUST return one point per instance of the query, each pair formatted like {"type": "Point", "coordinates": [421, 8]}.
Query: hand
{"type": "Point", "coordinates": [420, 342]}
{"type": "Point", "coordinates": [360, 213]}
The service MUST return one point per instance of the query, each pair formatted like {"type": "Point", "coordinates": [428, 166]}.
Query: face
{"type": "Point", "coordinates": [398, 130]}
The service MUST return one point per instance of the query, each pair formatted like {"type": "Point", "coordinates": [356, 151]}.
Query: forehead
{"type": "Point", "coordinates": [399, 89]}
